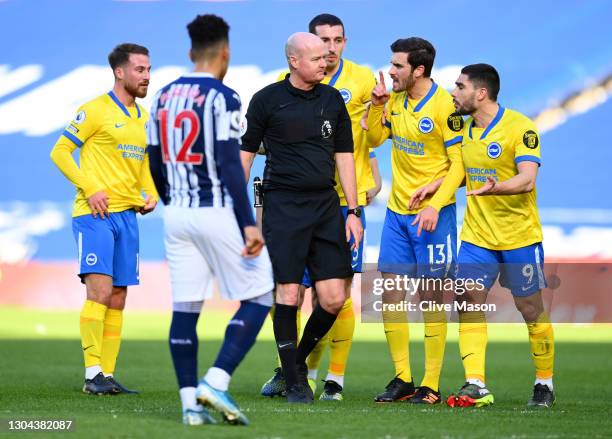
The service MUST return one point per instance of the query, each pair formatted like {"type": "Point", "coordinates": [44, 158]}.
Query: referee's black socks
{"type": "Point", "coordinates": [319, 324]}
{"type": "Point", "coordinates": [285, 334]}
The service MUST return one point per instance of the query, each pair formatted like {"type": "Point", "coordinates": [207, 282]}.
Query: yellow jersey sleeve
{"type": "Point", "coordinates": [452, 127]}
{"type": "Point", "coordinates": [84, 125]}
{"type": "Point", "coordinates": [527, 143]}
{"type": "Point", "coordinates": [451, 123]}
{"type": "Point", "coordinates": [377, 131]}
{"type": "Point", "coordinates": [452, 180]}
{"type": "Point", "coordinates": [61, 155]}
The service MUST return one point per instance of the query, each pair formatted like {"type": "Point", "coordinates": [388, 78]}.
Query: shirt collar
{"type": "Point", "coordinates": [495, 121]}
{"type": "Point", "coordinates": [306, 94]}
{"type": "Point", "coordinates": [425, 99]}
{"type": "Point", "coordinates": [116, 100]}
{"type": "Point", "coordinates": [198, 75]}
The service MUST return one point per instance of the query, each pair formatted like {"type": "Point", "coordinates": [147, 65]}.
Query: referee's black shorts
{"type": "Point", "coordinates": [306, 229]}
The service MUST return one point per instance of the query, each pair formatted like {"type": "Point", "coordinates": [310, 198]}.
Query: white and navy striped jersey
{"type": "Point", "coordinates": [194, 146]}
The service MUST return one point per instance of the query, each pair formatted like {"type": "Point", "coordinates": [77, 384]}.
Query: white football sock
{"type": "Point", "coordinates": [476, 381]}
{"type": "Point", "coordinates": [92, 371]}
{"type": "Point", "coordinates": [218, 378]}
{"type": "Point", "coordinates": [188, 399]}
{"type": "Point", "coordinates": [548, 382]}
{"type": "Point", "coordinates": [337, 378]}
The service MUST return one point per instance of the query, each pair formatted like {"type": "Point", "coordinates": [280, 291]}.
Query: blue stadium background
{"type": "Point", "coordinates": [53, 57]}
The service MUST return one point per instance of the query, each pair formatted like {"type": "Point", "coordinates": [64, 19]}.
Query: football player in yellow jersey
{"type": "Point", "coordinates": [114, 171]}
{"type": "Point", "coordinates": [418, 241]}
{"type": "Point", "coordinates": [501, 234]}
{"type": "Point", "coordinates": [355, 84]}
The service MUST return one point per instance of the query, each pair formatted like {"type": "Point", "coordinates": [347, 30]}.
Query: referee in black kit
{"type": "Point", "coordinates": [306, 132]}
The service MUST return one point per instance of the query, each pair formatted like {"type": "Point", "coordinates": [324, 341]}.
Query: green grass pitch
{"type": "Point", "coordinates": [41, 377]}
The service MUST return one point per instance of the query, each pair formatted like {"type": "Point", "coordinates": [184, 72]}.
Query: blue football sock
{"type": "Point", "coordinates": [184, 347]}
{"type": "Point", "coordinates": [240, 334]}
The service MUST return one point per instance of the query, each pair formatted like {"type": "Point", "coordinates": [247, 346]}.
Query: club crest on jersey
{"type": "Point", "coordinates": [326, 129]}
{"type": "Point", "coordinates": [530, 139]}
{"type": "Point", "coordinates": [455, 122]}
{"type": "Point", "coordinates": [494, 150]}
{"type": "Point", "coordinates": [426, 125]}
{"type": "Point", "coordinates": [80, 117]}
{"type": "Point", "coordinates": [346, 95]}
{"type": "Point", "coordinates": [91, 259]}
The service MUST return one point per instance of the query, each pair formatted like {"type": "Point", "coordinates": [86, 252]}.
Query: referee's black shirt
{"type": "Point", "coordinates": [301, 131]}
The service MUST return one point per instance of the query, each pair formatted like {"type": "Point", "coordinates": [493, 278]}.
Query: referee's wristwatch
{"type": "Point", "coordinates": [356, 211]}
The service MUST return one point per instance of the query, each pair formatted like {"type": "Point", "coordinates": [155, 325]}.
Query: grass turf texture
{"type": "Point", "coordinates": [41, 377]}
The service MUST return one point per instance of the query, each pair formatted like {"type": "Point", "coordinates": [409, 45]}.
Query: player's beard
{"type": "Point", "coordinates": [468, 107]}
{"type": "Point", "coordinates": [405, 85]}
{"type": "Point", "coordinates": [410, 81]}
{"type": "Point", "coordinates": [138, 90]}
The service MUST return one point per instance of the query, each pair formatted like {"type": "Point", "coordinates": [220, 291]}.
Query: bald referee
{"type": "Point", "coordinates": [306, 131]}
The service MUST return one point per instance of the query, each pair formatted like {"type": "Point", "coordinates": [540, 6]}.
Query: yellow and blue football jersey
{"type": "Point", "coordinates": [355, 83]}
{"type": "Point", "coordinates": [113, 156]}
{"type": "Point", "coordinates": [500, 222]}
{"type": "Point", "coordinates": [425, 135]}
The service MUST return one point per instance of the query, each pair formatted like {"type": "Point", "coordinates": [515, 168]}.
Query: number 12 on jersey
{"type": "Point", "coordinates": [187, 120]}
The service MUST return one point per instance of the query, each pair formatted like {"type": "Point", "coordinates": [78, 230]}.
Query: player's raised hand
{"type": "Point", "coordinates": [427, 220]}
{"type": "Point", "coordinates": [150, 203]}
{"type": "Point", "coordinates": [98, 203]}
{"type": "Point", "coordinates": [380, 94]}
{"type": "Point", "coordinates": [354, 228]}
{"type": "Point", "coordinates": [254, 242]}
{"type": "Point", "coordinates": [423, 192]}
{"type": "Point", "coordinates": [486, 189]}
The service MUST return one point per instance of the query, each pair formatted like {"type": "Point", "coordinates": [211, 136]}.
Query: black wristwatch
{"type": "Point", "coordinates": [356, 211]}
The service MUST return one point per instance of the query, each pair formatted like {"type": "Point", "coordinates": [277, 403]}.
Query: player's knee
{"type": "Point", "coordinates": [117, 298]}
{"type": "Point", "coordinates": [98, 290]}
{"type": "Point", "coordinates": [287, 294]}
{"type": "Point", "coordinates": [529, 310]}
{"type": "Point", "coordinates": [332, 304]}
